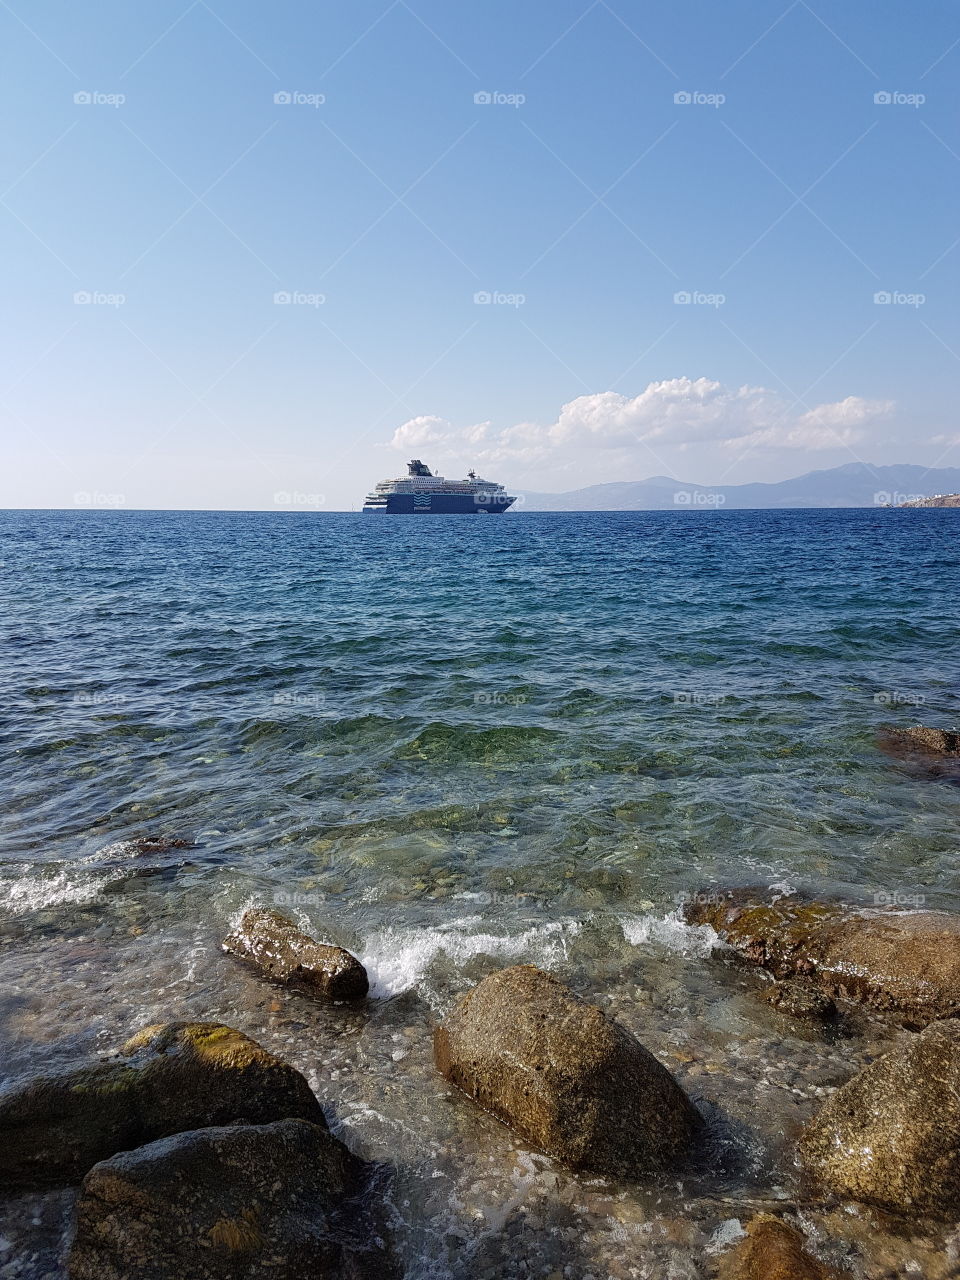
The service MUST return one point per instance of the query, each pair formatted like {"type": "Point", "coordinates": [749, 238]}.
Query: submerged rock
{"type": "Point", "coordinates": [891, 1135]}
{"type": "Point", "coordinates": [175, 1077]}
{"type": "Point", "coordinates": [139, 858]}
{"type": "Point", "coordinates": [286, 954]}
{"type": "Point", "coordinates": [903, 962]}
{"type": "Point", "coordinates": [941, 742]}
{"type": "Point", "coordinates": [565, 1077]}
{"type": "Point", "coordinates": [245, 1201]}
{"type": "Point", "coordinates": [773, 1250]}
{"type": "Point", "coordinates": [801, 1000]}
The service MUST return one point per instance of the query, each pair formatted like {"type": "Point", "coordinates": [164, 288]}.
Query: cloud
{"type": "Point", "coordinates": [676, 412]}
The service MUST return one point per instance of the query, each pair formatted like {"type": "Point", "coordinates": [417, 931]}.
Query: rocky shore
{"type": "Point", "coordinates": [197, 1154]}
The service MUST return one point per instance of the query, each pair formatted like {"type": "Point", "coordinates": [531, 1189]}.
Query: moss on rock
{"type": "Point", "coordinates": [182, 1075]}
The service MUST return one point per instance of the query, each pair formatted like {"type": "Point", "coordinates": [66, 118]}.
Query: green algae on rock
{"type": "Point", "coordinates": [177, 1076]}
{"type": "Point", "coordinates": [284, 953]}
{"type": "Point", "coordinates": [219, 1203]}
{"type": "Point", "coordinates": [564, 1076]}
{"type": "Point", "coordinates": [901, 962]}
{"type": "Point", "coordinates": [891, 1136]}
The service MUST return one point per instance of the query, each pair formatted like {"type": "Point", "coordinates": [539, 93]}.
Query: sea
{"type": "Point", "coordinates": [452, 744]}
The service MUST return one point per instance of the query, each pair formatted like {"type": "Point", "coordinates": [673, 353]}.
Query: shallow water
{"type": "Point", "coordinates": [451, 745]}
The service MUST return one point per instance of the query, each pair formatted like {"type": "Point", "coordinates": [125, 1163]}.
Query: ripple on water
{"type": "Point", "coordinates": [451, 748]}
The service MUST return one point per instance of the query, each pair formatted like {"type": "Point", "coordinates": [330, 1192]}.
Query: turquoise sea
{"type": "Point", "coordinates": [451, 744]}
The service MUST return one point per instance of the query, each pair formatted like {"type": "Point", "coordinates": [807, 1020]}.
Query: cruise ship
{"type": "Point", "coordinates": [420, 492]}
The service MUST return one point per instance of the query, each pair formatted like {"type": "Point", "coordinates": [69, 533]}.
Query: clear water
{"type": "Point", "coordinates": [453, 744]}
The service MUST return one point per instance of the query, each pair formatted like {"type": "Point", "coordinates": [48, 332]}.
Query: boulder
{"type": "Point", "coordinates": [773, 1250]}
{"type": "Point", "coordinates": [285, 953]}
{"type": "Point", "coordinates": [891, 1136]}
{"type": "Point", "coordinates": [565, 1077]}
{"type": "Point", "coordinates": [902, 962]}
{"type": "Point", "coordinates": [243, 1201]}
{"type": "Point", "coordinates": [174, 1077]}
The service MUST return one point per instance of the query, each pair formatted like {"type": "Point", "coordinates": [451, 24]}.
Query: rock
{"type": "Point", "coordinates": [800, 1000]}
{"type": "Point", "coordinates": [773, 1250]}
{"type": "Point", "coordinates": [244, 1201]}
{"type": "Point", "coordinates": [565, 1077]}
{"type": "Point", "coordinates": [175, 1077]}
{"type": "Point", "coordinates": [891, 1136]}
{"type": "Point", "coordinates": [943, 742]}
{"type": "Point", "coordinates": [286, 954]}
{"type": "Point", "coordinates": [144, 856]}
{"type": "Point", "coordinates": [903, 962]}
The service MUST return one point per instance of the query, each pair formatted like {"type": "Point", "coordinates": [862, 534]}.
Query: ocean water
{"type": "Point", "coordinates": [453, 744]}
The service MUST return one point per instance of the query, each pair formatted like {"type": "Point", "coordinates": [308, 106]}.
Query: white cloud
{"type": "Point", "coordinates": [677, 412]}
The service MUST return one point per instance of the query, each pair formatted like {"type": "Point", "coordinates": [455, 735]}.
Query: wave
{"type": "Point", "coordinates": [31, 892]}
{"type": "Point", "coordinates": [399, 960]}
{"type": "Point", "coordinates": [699, 940]}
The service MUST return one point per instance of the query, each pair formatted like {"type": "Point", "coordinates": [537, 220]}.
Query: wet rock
{"type": "Point", "coordinates": [800, 1000]}
{"type": "Point", "coordinates": [174, 1077]}
{"type": "Point", "coordinates": [903, 962]}
{"type": "Point", "coordinates": [773, 1250]}
{"type": "Point", "coordinates": [285, 954]}
{"type": "Point", "coordinates": [929, 753]}
{"type": "Point", "coordinates": [941, 742]}
{"type": "Point", "coordinates": [565, 1077]}
{"type": "Point", "coordinates": [891, 1136]}
{"type": "Point", "coordinates": [245, 1201]}
{"type": "Point", "coordinates": [144, 856]}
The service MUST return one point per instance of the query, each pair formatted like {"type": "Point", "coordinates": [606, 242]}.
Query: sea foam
{"type": "Point", "coordinates": [399, 960]}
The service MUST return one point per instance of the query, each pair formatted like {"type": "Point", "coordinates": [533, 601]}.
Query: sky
{"type": "Point", "coordinates": [258, 256]}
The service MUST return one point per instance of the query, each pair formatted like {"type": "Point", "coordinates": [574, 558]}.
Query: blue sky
{"type": "Point", "coordinates": [175, 171]}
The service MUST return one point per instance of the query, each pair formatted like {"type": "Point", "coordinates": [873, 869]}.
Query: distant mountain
{"type": "Point", "coordinates": [853, 485]}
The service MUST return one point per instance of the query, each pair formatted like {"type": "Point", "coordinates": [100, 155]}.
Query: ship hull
{"type": "Point", "coordinates": [441, 504]}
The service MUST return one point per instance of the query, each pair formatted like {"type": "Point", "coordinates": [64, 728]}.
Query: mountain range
{"type": "Point", "coordinates": [856, 484]}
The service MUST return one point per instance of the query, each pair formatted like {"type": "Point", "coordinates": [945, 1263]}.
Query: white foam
{"type": "Point", "coordinates": [671, 931]}
{"type": "Point", "coordinates": [725, 1235]}
{"type": "Point", "coordinates": [397, 960]}
{"type": "Point", "coordinates": [34, 893]}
